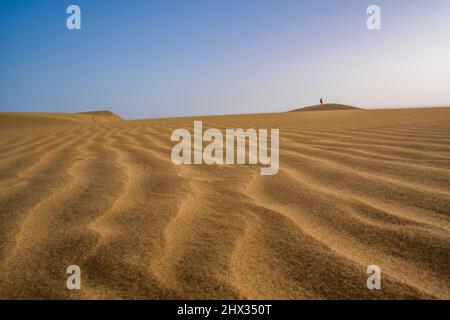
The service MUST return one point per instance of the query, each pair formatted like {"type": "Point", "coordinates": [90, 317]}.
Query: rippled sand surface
{"type": "Point", "coordinates": [355, 188]}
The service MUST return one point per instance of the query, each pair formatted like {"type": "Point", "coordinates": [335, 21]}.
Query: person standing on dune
{"type": "Point", "coordinates": [321, 100]}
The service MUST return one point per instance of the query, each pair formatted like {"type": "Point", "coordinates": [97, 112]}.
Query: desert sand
{"type": "Point", "coordinates": [326, 107]}
{"type": "Point", "coordinates": [355, 188]}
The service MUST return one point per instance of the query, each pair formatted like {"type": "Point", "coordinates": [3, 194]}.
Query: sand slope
{"type": "Point", "coordinates": [326, 107]}
{"type": "Point", "coordinates": [18, 120]}
{"type": "Point", "coordinates": [354, 188]}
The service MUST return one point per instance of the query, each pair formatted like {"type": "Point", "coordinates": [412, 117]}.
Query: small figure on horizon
{"type": "Point", "coordinates": [321, 100]}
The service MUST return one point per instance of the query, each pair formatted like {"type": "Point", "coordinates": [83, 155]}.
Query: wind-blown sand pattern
{"type": "Point", "coordinates": [355, 188]}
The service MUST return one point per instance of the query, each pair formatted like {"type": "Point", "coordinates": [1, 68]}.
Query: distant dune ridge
{"type": "Point", "coordinates": [327, 107]}
{"type": "Point", "coordinates": [93, 190]}
{"type": "Point", "coordinates": [104, 114]}
{"type": "Point", "coordinates": [16, 120]}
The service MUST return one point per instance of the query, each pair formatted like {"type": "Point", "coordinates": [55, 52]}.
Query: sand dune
{"type": "Point", "coordinates": [326, 107]}
{"type": "Point", "coordinates": [17, 120]}
{"type": "Point", "coordinates": [355, 188]}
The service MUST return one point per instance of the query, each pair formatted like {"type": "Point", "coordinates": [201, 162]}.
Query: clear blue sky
{"type": "Point", "coordinates": [144, 59]}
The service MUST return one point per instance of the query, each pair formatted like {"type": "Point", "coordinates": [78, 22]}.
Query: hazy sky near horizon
{"type": "Point", "coordinates": [144, 59]}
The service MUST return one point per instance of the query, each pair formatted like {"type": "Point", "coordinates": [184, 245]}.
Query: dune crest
{"type": "Point", "coordinates": [326, 107]}
{"type": "Point", "coordinates": [23, 120]}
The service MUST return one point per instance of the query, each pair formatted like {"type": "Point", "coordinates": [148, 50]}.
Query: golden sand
{"type": "Point", "coordinates": [354, 188]}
